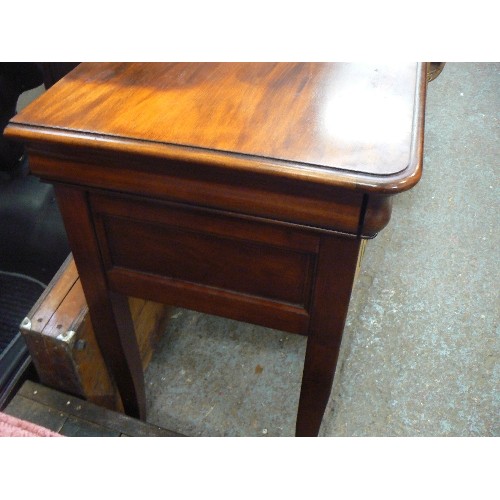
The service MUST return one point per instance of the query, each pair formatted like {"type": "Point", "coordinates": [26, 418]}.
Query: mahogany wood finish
{"type": "Point", "coordinates": [237, 189]}
{"type": "Point", "coordinates": [109, 313]}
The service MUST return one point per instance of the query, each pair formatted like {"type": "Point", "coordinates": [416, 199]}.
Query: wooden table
{"type": "Point", "coordinates": [242, 190]}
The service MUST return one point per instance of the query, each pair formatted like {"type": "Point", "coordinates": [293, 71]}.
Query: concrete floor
{"type": "Point", "coordinates": [420, 350]}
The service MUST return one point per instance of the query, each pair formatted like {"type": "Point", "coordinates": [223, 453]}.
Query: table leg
{"type": "Point", "coordinates": [109, 312]}
{"type": "Point", "coordinates": [337, 262]}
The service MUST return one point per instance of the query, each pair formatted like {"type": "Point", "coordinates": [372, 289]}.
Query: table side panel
{"type": "Point", "coordinates": [197, 257]}
{"type": "Point", "coordinates": [182, 256]}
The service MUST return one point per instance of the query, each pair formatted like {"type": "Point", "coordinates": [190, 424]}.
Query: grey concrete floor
{"type": "Point", "coordinates": [421, 346]}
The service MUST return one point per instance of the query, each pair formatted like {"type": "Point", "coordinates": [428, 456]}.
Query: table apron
{"type": "Point", "coordinates": [298, 202]}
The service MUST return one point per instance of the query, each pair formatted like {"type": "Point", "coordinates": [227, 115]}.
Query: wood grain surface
{"type": "Point", "coordinates": [352, 118]}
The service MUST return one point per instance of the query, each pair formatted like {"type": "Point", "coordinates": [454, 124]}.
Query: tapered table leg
{"type": "Point", "coordinates": [109, 312]}
{"type": "Point", "coordinates": [338, 258]}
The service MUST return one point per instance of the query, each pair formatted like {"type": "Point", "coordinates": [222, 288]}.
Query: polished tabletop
{"type": "Point", "coordinates": [321, 119]}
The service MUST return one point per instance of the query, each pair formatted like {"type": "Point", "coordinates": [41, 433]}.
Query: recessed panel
{"type": "Point", "coordinates": [230, 264]}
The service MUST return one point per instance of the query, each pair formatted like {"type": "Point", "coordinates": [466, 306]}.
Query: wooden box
{"type": "Point", "coordinates": [62, 344]}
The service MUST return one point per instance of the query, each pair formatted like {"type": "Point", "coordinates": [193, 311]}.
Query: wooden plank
{"type": "Point", "coordinates": [69, 317]}
{"type": "Point", "coordinates": [88, 412]}
{"type": "Point", "coordinates": [54, 294]}
{"type": "Point", "coordinates": [36, 413]}
{"type": "Point", "coordinates": [77, 427]}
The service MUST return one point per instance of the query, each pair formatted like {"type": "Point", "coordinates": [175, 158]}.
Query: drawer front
{"type": "Point", "coordinates": [189, 255]}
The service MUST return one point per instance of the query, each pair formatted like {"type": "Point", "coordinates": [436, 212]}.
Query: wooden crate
{"type": "Point", "coordinates": [62, 344]}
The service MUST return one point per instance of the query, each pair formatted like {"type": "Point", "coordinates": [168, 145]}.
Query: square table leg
{"type": "Point", "coordinates": [109, 311]}
{"type": "Point", "coordinates": [338, 259]}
